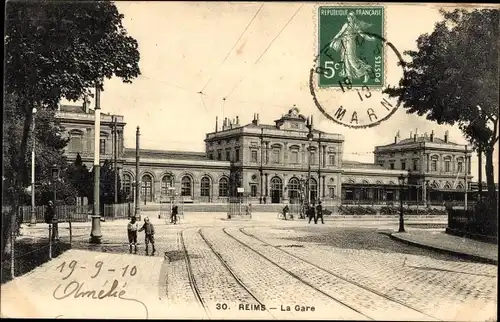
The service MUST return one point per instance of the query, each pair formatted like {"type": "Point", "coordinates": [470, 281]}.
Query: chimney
{"type": "Point", "coordinates": [425, 135]}
{"type": "Point", "coordinates": [396, 138]}
{"type": "Point", "coordinates": [216, 123]}
{"type": "Point", "coordinates": [254, 121]}
{"type": "Point", "coordinates": [411, 134]}
{"type": "Point", "coordinates": [415, 137]}
{"type": "Point", "coordinates": [258, 121]}
{"type": "Point", "coordinates": [446, 136]}
{"type": "Point", "coordinates": [86, 104]}
{"type": "Point", "coordinates": [432, 136]}
{"type": "Point", "coordinates": [237, 120]}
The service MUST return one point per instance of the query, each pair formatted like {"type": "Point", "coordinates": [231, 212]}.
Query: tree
{"type": "Point", "coordinates": [106, 185]}
{"type": "Point", "coordinates": [60, 50]}
{"type": "Point", "coordinates": [80, 177]}
{"type": "Point", "coordinates": [453, 79]}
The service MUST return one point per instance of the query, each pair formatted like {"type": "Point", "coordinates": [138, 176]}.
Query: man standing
{"type": "Point", "coordinates": [311, 213]}
{"type": "Point", "coordinates": [149, 232]}
{"type": "Point", "coordinates": [319, 213]}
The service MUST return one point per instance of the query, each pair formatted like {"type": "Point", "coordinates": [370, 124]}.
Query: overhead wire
{"type": "Point", "coordinates": [234, 45]}
{"type": "Point", "coordinates": [265, 50]}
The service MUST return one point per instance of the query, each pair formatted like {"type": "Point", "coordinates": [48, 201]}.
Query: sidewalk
{"type": "Point", "coordinates": [441, 241]}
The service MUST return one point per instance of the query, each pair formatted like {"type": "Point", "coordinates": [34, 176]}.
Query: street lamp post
{"type": "Point", "coordinates": [309, 138]}
{"type": "Point", "coordinates": [95, 234]}
{"type": "Point", "coordinates": [401, 218]}
{"type": "Point", "coordinates": [33, 215]}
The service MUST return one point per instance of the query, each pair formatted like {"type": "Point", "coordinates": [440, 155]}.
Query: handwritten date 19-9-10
{"type": "Point", "coordinates": [132, 271]}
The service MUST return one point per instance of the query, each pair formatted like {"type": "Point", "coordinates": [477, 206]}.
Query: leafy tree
{"type": "Point", "coordinates": [80, 177]}
{"type": "Point", "coordinates": [106, 185]}
{"type": "Point", "coordinates": [58, 49]}
{"type": "Point", "coordinates": [453, 79]}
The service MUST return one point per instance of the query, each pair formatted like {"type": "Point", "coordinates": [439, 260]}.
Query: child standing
{"type": "Point", "coordinates": [132, 233]}
{"type": "Point", "coordinates": [149, 232]}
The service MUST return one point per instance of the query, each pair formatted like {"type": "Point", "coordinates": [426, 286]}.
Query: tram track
{"type": "Point", "coordinates": [296, 276]}
{"type": "Point", "coordinates": [192, 280]}
{"type": "Point", "coordinates": [324, 270]}
{"type": "Point", "coordinates": [231, 272]}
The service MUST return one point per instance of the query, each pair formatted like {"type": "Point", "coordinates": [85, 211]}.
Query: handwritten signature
{"type": "Point", "coordinates": [76, 290]}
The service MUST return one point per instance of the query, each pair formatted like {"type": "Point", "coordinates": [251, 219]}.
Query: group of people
{"type": "Point", "coordinates": [312, 212]}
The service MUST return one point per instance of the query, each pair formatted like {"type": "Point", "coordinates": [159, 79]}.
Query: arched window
{"type": "Point", "coordinates": [460, 186]}
{"type": "Point", "coordinates": [447, 186]}
{"type": "Point", "coordinates": [434, 161]}
{"type": "Point", "coordinates": [205, 187]}
{"type": "Point", "coordinates": [127, 184]}
{"type": "Point", "coordinates": [147, 188]}
{"type": "Point", "coordinates": [276, 190]}
{"type": "Point", "coordinates": [166, 182]}
{"type": "Point", "coordinates": [223, 187]}
{"type": "Point", "coordinates": [293, 188]}
{"type": "Point", "coordinates": [186, 186]}
{"type": "Point", "coordinates": [434, 185]}
{"type": "Point", "coordinates": [447, 164]}
{"type": "Point", "coordinates": [460, 164]}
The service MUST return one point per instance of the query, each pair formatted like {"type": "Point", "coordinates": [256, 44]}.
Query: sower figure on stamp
{"type": "Point", "coordinates": [132, 228]}
{"type": "Point", "coordinates": [319, 213]}
{"type": "Point", "coordinates": [149, 232]}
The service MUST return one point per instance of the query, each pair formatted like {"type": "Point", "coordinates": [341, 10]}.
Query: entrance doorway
{"type": "Point", "coordinates": [276, 190]}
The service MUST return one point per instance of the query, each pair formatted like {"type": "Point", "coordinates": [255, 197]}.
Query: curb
{"type": "Point", "coordinates": [476, 258]}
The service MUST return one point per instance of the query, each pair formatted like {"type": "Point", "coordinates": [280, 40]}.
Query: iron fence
{"type": "Point", "coordinates": [118, 211]}
{"type": "Point", "coordinates": [63, 213]}
{"type": "Point", "coordinates": [238, 206]}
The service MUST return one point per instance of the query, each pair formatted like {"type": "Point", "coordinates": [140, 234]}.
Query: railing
{"type": "Point", "coordinates": [118, 211]}
{"type": "Point", "coordinates": [62, 213]}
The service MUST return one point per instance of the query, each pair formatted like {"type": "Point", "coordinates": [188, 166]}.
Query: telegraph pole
{"type": "Point", "coordinates": [480, 174]}
{"type": "Point", "coordinates": [137, 179]}
{"type": "Point", "coordinates": [115, 152]}
{"type": "Point", "coordinates": [95, 235]}
{"type": "Point", "coordinates": [466, 172]}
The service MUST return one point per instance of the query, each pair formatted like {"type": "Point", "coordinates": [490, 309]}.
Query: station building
{"type": "Point", "coordinates": [272, 163]}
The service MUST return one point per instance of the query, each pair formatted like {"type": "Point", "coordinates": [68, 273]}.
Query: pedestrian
{"type": "Point", "coordinates": [248, 210]}
{"type": "Point", "coordinates": [319, 213]}
{"type": "Point", "coordinates": [51, 218]}
{"type": "Point", "coordinates": [285, 211]}
{"type": "Point", "coordinates": [149, 233]}
{"type": "Point", "coordinates": [311, 213]}
{"type": "Point", "coordinates": [132, 228]}
{"type": "Point", "coordinates": [173, 217]}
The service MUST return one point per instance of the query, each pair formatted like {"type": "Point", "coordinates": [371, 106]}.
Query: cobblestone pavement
{"type": "Point", "coordinates": [344, 271]}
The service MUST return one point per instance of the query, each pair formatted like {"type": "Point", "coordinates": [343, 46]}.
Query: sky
{"type": "Point", "coordinates": [186, 47]}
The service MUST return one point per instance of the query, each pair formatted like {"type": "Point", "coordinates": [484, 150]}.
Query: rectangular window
{"type": "Point", "coordinates": [237, 155]}
{"type": "Point", "coordinates": [102, 146]}
{"type": "Point", "coordinates": [76, 143]}
{"type": "Point", "coordinates": [460, 167]}
{"type": "Point", "coordinates": [313, 158]}
{"type": "Point", "coordinates": [253, 190]}
{"type": "Point", "coordinates": [447, 166]}
{"type": "Point", "coordinates": [219, 155]}
{"type": "Point", "coordinates": [331, 159]}
{"type": "Point", "coordinates": [295, 157]}
{"type": "Point", "coordinates": [254, 156]}
{"type": "Point", "coordinates": [434, 165]}
{"type": "Point", "coordinates": [403, 165]}
{"type": "Point", "coordinates": [331, 191]}
{"type": "Point", "coordinates": [415, 165]}
{"type": "Point", "coordinates": [392, 166]}
{"type": "Point", "coordinates": [228, 155]}
{"type": "Point", "coordinates": [276, 156]}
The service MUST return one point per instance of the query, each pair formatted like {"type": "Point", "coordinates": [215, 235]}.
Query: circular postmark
{"type": "Point", "coordinates": [353, 100]}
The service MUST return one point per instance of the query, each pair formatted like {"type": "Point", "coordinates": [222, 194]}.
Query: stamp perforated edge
{"type": "Point", "coordinates": [316, 48]}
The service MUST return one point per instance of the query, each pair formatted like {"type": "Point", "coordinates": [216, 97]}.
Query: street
{"type": "Point", "coordinates": [263, 268]}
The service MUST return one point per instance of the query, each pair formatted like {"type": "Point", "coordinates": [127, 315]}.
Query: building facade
{"type": "Point", "coordinates": [271, 163]}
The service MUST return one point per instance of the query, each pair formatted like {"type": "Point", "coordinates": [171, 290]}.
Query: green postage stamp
{"type": "Point", "coordinates": [351, 46]}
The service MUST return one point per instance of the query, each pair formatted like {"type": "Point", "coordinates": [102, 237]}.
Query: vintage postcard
{"type": "Point", "coordinates": [250, 160]}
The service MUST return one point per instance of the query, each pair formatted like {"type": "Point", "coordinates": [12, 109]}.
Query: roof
{"type": "Point", "coordinates": [165, 154]}
{"type": "Point", "coordinates": [72, 108]}
{"type": "Point", "coordinates": [419, 139]}
{"type": "Point", "coordinates": [273, 127]}
{"type": "Point", "coordinates": [360, 165]}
